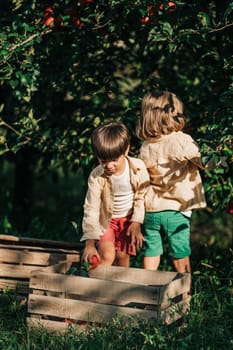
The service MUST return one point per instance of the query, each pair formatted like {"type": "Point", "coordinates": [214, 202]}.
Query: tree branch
{"type": "Point", "coordinates": [99, 26]}
{"type": "Point", "coordinates": [30, 38]}
{"type": "Point", "coordinates": [221, 28]}
{"type": "Point", "coordinates": [2, 122]}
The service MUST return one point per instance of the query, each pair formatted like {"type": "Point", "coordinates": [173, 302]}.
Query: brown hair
{"type": "Point", "coordinates": [162, 113]}
{"type": "Point", "coordinates": [110, 141]}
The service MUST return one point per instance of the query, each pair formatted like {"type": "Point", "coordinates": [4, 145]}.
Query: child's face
{"type": "Point", "coordinates": [114, 166]}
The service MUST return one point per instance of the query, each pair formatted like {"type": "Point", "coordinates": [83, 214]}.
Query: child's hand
{"type": "Point", "coordinates": [89, 251]}
{"type": "Point", "coordinates": [87, 266]}
{"type": "Point", "coordinates": [134, 231]}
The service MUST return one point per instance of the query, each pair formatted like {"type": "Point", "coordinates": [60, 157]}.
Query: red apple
{"type": "Point", "coordinates": [145, 19]}
{"type": "Point", "coordinates": [94, 262]}
{"type": "Point", "coordinates": [229, 208]}
{"type": "Point", "coordinates": [172, 6]}
{"type": "Point", "coordinates": [49, 21]}
{"type": "Point", "coordinates": [77, 21]}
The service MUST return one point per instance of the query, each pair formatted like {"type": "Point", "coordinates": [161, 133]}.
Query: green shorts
{"type": "Point", "coordinates": [171, 224]}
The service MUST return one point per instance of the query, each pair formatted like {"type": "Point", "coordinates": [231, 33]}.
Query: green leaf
{"type": "Point", "coordinates": [167, 28]}
{"type": "Point", "coordinates": [75, 225]}
{"type": "Point", "coordinates": [228, 10]}
{"type": "Point", "coordinates": [13, 83]}
{"type": "Point", "coordinates": [172, 47]}
{"type": "Point", "coordinates": [4, 52]}
{"type": "Point", "coordinates": [204, 19]}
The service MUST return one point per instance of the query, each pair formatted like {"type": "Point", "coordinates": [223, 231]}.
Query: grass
{"type": "Point", "coordinates": [208, 326]}
{"type": "Point", "coordinates": [57, 214]}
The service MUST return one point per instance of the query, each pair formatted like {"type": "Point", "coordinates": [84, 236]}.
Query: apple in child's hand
{"type": "Point", "coordinates": [94, 262]}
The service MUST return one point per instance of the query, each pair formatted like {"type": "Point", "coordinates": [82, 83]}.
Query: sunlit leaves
{"type": "Point", "coordinates": [59, 82]}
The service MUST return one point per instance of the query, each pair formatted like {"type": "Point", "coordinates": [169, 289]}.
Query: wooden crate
{"type": "Point", "coordinates": [58, 301]}
{"type": "Point", "coordinates": [20, 255]}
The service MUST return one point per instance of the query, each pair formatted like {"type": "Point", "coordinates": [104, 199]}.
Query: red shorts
{"type": "Point", "coordinates": [116, 233]}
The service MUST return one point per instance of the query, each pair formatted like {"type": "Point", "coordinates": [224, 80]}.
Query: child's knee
{"type": "Point", "coordinates": [107, 253]}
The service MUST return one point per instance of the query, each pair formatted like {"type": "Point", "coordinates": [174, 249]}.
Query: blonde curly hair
{"type": "Point", "coordinates": [162, 113]}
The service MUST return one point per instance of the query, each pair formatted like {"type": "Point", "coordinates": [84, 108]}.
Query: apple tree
{"type": "Point", "coordinates": [67, 66]}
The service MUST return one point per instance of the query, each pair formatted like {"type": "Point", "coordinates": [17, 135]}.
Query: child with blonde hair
{"type": "Point", "coordinates": [173, 160]}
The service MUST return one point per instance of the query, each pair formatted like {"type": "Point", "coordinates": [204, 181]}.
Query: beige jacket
{"type": "Point", "coordinates": [173, 162]}
{"type": "Point", "coordinates": [98, 205]}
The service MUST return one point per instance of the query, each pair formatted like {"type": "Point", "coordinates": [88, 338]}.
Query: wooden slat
{"type": "Point", "coordinates": [104, 291]}
{"type": "Point", "coordinates": [40, 249]}
{"type": "Point", "coordinates": [24, 271]}
{"type": "Point", "coordinates": [175, 311]}
{"type": "Point", "coordinates": [135, 275]}
{"type": "Point", "coordinates": [15, 271]}
{"type": "Point", "coordinates": [54, 326]}
{"type": "Point", "coordinates": [178, 286]}
{"type": "Point", "coordinates": [168, 316]}
{"type": "Point", "coordinates": [61, 267]}
{"type": "Point", "coordinates": [86, 311]}
{"type": "Point", "coordinates": [21, 286]}
{"type": "Point", "coordinates": [12, 275]}
{"type": "Point", "coordinates": [40, 242]}
{"type": "Point", "coordinates": [17, 256]}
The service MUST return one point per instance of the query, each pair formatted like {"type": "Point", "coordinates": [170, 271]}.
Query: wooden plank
{"type": "Point", "coordinates": [175, 311]}
{"type": "Point", "coordinates": [85, 311]}
{"type": "Point", "coordinates": [55, 326]}
{"type": "Point", "coordinates": [62, 267]}
{"type": "Point", "coordinates": [34, 258]}
{"type": "Point", "coordinates": [22, 287]}
{"type": "Point", "coordinates": [38, 249]}
{"type": "Point", "coordinates": [15, 271]}
{"type": "Point", "coordinates": [168, 316]}
{"type": "Point", "coordinates": [137, 275]}
{"type": "Point", "coordinates": [178, 286]}
{"type": "Point", "coordinates": [17, 278]}
{"type": "Point", "coordinates": [24, 271]}
{"type": "Point", "coordinates": [40, 242]}
{"type": "Point", "coordinates": [104, 291]}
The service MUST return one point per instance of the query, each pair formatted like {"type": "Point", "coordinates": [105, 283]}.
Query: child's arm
{"type": "Point", "coordinates": [142, 184]}
{"type": "Point", "coordinates": [134, 231]}
{"type": "Point", "coordinates": [91, 226]}
{"type": "Point", "coordinates": [193, 155]}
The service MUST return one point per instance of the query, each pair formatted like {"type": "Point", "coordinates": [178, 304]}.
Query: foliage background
{"type": "Point", "coordinates": [94, 63]}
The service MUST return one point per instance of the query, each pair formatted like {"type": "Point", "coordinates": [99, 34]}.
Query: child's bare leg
{"type": "Point", "coordinates": [151, 262]}
{"type": "Point", "coordinates": [182, 265]}
{"type": "Point", "coordinates": [107, 253]}
{"type": "Point", "coordinates": [122, 259]}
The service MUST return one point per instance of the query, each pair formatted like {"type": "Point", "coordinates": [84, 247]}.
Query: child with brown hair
{"type": "Point", "coordinates": [172, 159]}
{"type": "Point", "coordinates": [114, 204]}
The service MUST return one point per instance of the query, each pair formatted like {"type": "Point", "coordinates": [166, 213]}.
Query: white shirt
{"type": "Point", "coordinates": [123, 193]}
